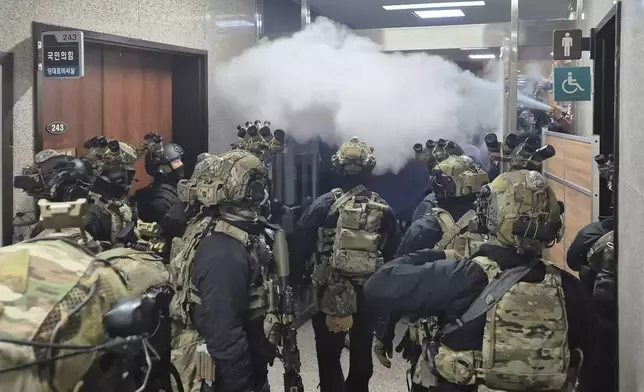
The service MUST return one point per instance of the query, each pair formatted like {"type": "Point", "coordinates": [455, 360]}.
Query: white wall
{"type": "Point", "coordinates": [188, 23]}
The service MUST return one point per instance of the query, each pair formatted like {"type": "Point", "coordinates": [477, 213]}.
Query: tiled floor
{"type": "Point", "coordinates": [383, 380]}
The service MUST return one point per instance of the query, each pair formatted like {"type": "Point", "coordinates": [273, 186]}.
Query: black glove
{"type": "Point", "coordinates": [410, 350]}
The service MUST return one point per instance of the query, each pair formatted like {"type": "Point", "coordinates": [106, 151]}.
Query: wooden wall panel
{"type": "Point", "coordinates": [572, 164]}
{"type": "Point", "coordinates": [556, 165]}
{"type": "Point", "coordinates": [137, 98]}
{"type": "Point", "coordinates": [77, 103]}
{"type": "Point", "coordinates": [578, 164]}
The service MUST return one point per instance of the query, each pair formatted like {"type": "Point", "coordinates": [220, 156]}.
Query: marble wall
{"type": "Point", "coordinates": [188, 23]}
{"type": "Point", "coordinates": [631, 193]}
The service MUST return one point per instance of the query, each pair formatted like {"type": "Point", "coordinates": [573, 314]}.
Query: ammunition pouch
{"type": "Point", "coordinates": [271, 328]}
{"type": "Point", "coordinates": [356, 263]}
{"type": "Point", "coordinates": [339, 297]}
{"type": "Point", "coordinates": [321, 273]}
{"type": "Point", "coordinates": [190, 357]}
{"type": "Point", "coordinates": [458, 367]}
{"type": "Point", "coordinates": [259, 301]}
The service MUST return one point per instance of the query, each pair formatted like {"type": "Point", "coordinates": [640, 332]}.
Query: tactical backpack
{"type": "Point", "coordinates": [525, 341]}
{"type": "Point", "coordinates": [465, 244]}
{"type": "Point", "coordinates": [357, 240]}
{"type": "Point", "coordinates": [53, 291]}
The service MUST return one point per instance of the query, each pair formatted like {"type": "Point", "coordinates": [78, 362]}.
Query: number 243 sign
{"type": "Point", "coordinates": [56, 128]}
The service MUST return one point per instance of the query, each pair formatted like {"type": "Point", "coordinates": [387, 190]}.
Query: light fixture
{"type": "Point", "coordinates": [482, 56]}
{"type": "Point", "coordinates": [468, 49]}
{"type": "Point", "coordinates": [234, 23]}
{"type": "Point", "coordinates": [433, 5]}
{"type": "Point", "coordinates": [435, 14]}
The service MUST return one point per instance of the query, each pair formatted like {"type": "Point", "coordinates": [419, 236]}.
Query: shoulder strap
{"type": "Point", "coordinates": [226, 228]}
{"type": "Point", "coordinates": [339, 202]}
{"type": "Point", "coordinates": [491, 295]}
{"type": "Point", "coordinates": [455, 230]}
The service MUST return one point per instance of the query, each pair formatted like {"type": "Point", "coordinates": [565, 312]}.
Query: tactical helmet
{"type": "Point", "coordinates": [457, 176]}
{"type": "Point", "coordinates": [521, 211]}
{"type": "Point", "coordinates": [606, 169]}
{"type": "Point", "coordinates": [354, 157]}
{"type": "Point", "coordinates": [167, 163]}
{"type": "Point", "coordinates": [235, 177]}
{"type": "Point", "coordinates": [56, 177]}
{"type": "Point", "coordinates": [114, 181]}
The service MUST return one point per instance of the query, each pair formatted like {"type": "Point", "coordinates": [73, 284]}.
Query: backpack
{"type": "Point", "coordinates": [525, 339]}
{"type": "Point", "coordinates": [357, 241]}
{"type": "Point", "coordinates": [465, 244]}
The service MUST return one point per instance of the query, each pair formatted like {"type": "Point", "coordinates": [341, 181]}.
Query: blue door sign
{"type": "Point", "coordinates": [572, 84]}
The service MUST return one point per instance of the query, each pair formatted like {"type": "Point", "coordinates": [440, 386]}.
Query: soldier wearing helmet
{"type": "Point", "coordinates": [456, 181]}
{"type": "Point", "coordinates": [220, 269]}
{"type": "Point", "coordinates": [350, 232]}
{"type": "Point", "coordinates": [502, 309]}
{"type": "Point", "coordinates": [159, 202]}
{"type": "Point", "coordinates": [71, 321]}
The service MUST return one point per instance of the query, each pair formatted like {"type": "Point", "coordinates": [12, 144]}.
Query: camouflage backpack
{"type": "Point", "coordinates": [465, 244]}
{"type": "Point", "coordinates": [357, 241]}
{"type": "Point", "coordinates": [141, 270]}
{"type": "Point", "coordinates": [525, 341]}
{"type": "Point", "coordinates": [52, 291]}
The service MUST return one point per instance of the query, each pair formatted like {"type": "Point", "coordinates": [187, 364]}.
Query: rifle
{"type": "Point", "coordinates": [290, 354]}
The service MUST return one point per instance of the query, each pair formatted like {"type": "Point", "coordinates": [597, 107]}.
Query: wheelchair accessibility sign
{"type": "Point", "coordinates": [572, 84]}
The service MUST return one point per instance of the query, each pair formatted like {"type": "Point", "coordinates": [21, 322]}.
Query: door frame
{"type": "Point", "coordinates": [6, 143]}
{"type": "Point", "coordinates": [119, 42]}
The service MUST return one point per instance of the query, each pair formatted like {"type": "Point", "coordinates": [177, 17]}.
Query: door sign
{"type": "Point", "coordinates": [56, 128]}
{"type": "Point", "coordinates": [63, 54]}
{"type": "Point", "coordinates": [567, 44]}
{"type": "Point", "coordinates": [572, 84]}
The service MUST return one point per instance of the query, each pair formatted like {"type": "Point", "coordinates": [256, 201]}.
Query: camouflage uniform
{"type": "Point", "coordinates": [492, 337]}
{"type": "Point", "coordinates": [54, 290]}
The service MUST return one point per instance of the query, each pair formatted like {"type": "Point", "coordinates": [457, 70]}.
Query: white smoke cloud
{"type": "Point", "coordinates": [326, 81]}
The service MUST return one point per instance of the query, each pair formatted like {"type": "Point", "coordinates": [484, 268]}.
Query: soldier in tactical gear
{"type": "Point", "coordinates": [355, 232]}
{"type": "Point", "coordinates": [506, 320]}
{"type": "Point", "coordinates": [159, 202]}
{"type": "Point", "coordinates": [58, 178]}
{"type": "Point", "coordinates": [112, 161]}
{"type": "Point", "coordinates": [592, 255]}
{"type": "Point", "coordinates": [71, 321]}
{"type": "Point", "coordinates": [456, 181]}
{"type": "Point", "coordinates": [220, 269]}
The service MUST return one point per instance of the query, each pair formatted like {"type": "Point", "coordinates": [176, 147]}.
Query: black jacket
{"type": "Point", "coordinates": [416, 286]}
{"type": "Point", "coordinates": [159, 202]}
{"type": "Point", "coordinates": [303, 242]}
{"type": "Point", "coordinates": [223, 271]}
{"type": "Point", "coordinates": [577, 255]}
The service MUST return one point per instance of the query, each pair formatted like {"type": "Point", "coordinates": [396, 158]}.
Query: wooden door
{"type": "Point", "coordinates": [77, 103]}
{"type": "Point", "coordinates": [137, 98]}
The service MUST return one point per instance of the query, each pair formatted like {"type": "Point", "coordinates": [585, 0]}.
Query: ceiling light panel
{"type": "Point", "coordinates": [422, 6]}
{"type": "Point", "coordinates": [435, 14]}
{"type": "Point", "coordinates": [482, 56]}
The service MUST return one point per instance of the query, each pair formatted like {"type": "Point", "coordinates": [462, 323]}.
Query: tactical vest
{"type": "Point", "coordinates": [189, 352]}
{"type": "Point", "coordinates": [465, 244]}
{"type": "Point", "coordinates": [525, 340]}
{"type": "Point", "coordinates": [353, 247]}
{"type": "Point", "coordinates": [120, 214]}
{"type": "Point", "coordinates": [140, 270]}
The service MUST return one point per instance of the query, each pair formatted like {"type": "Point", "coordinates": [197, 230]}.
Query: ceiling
{"type": "Point", "coordinates": [369, 14]}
